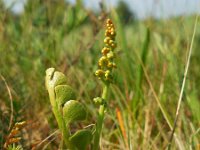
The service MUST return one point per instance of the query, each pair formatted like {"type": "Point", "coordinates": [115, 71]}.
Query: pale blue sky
{"type": "Point", "coordinates": [142, 8]}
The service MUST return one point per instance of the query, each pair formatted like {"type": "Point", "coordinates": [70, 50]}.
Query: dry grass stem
{"type": "Point", "coordinates": [183, 85]}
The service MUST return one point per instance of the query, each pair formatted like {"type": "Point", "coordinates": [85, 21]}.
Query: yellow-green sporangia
{"type": "Point", "coordinates": [67, 110]}
{"type": "Point", "coordinates": [106, 65]}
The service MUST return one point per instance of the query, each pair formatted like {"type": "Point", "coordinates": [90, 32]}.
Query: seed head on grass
{"type": "Point", "coordinates": [13, 135]}
{"type": "Point", "coordinates": [106, 62]}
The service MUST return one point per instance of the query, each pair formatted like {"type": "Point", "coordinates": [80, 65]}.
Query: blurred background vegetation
{"type": "Point", "coordinates": [69, 37]}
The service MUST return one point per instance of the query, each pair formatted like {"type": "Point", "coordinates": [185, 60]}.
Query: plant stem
{"type": "Point", "coordinates": [62, 126]}
{"type": "Point", "coordinates": [61, 123]}
{"type": "Point", "coordinates": [100, 118]}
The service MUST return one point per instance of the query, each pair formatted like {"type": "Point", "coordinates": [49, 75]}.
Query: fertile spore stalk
{"type": "Point", "coordinates": [104, 73]}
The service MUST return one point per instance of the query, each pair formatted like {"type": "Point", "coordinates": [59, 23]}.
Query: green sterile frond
{"type": "Point", "coordinates": [81, 139]}
{"type": "Point", "coordinates": [67, 109]}
{"type": "Point", "coordinates": [74, 111]}
{"type": "Point", "coordinates": [64, 93]}
{"type": "Point", "coordinates": [54, 78]}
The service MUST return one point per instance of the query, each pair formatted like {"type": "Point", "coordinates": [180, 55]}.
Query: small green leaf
{"type": "Point", "coordinates": [73, 111]}
{"type": "Point", "coordinates": [59, 78]}
{"type": "Point", "coordinates": [54, 78]}
{"type": "Point", "coordinates": [64, 93]}
{"type": "Point", "coordinates": [81, 139]}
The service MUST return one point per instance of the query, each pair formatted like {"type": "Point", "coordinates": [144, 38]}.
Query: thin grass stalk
{"type": "Point", "coordinates": [165, 115]}
{"type": "Point", "coordinates": [11, 101]}
{"type": "Point", "coordinates": [183, 86]}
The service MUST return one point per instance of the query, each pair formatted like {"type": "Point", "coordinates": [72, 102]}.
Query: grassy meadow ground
{"type": "Point", "coordinates": [151, 57]}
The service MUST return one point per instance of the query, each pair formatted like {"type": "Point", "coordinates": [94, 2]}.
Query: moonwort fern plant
{"type": "Point", "coordinates": [68, 110]}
